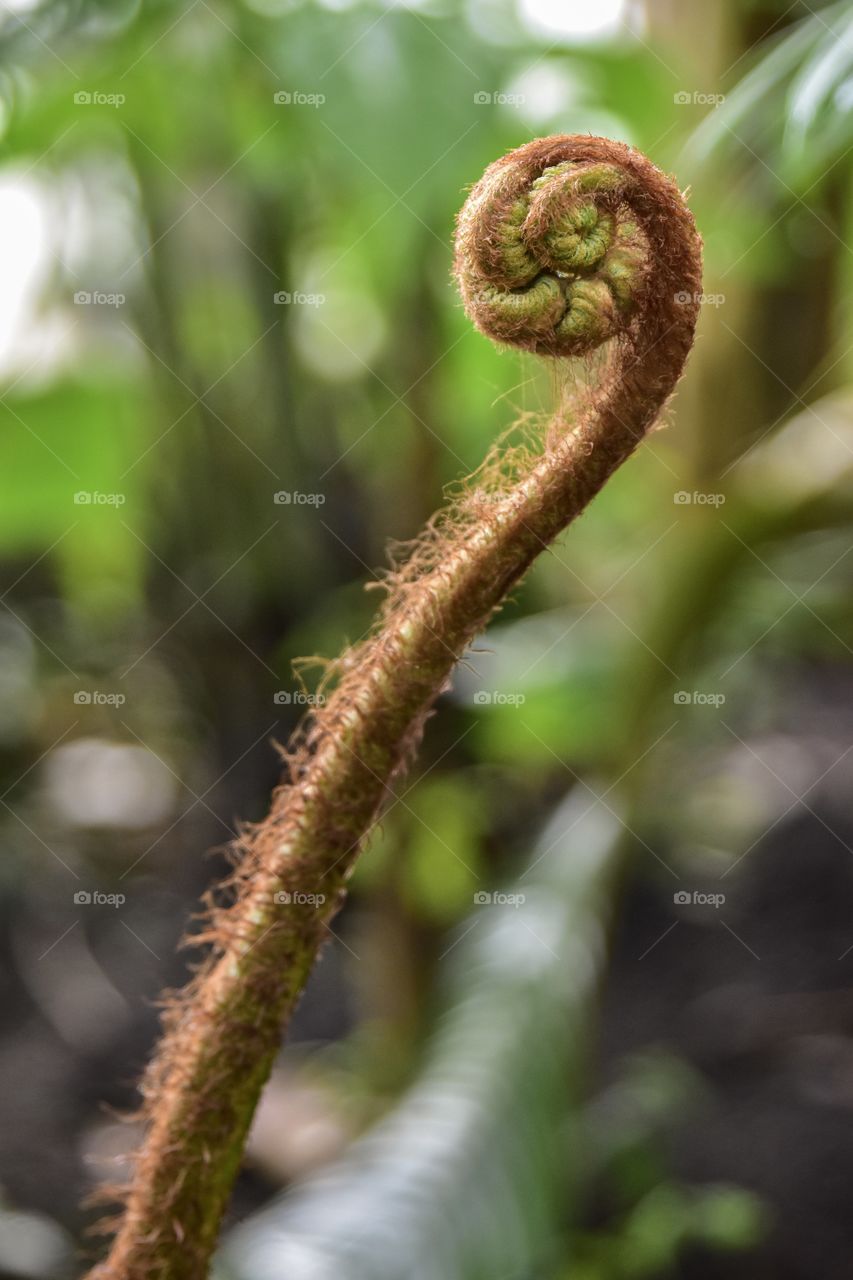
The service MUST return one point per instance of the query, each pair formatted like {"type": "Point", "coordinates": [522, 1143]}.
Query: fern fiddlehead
{"type": "Point", "coordinates": [564, 244]}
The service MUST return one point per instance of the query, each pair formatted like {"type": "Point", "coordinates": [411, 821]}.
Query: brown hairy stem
{"type": "Point", "coordinates": [564, 244]}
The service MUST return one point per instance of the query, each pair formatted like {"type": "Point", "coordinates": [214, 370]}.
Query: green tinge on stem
{"type": "Point", "coordinates": [554, 263]}
{"type": "Point", "coordinates": [222, 1033]}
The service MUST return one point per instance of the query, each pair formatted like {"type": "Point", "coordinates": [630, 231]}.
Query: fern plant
{"type": "Point", "coordinates": [564, 245]}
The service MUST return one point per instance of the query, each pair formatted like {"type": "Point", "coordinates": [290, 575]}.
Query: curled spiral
{"type": "Point", "coordinates": [555, 243]}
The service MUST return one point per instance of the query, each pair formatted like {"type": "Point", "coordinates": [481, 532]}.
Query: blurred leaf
{"type": "Point", "coordinates": [65, 454]}
{"type": "Point", "coordinates": [442, 860]}
{"type": "Point", "coordinates": [790, 117]}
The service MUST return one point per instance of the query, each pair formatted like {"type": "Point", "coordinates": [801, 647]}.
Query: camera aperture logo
{"type": "Point", "coordinates": [484, 99]}
{"type": "Point", "coordinates": [484, 899]}
{"type": "Point", "coordinates": [697, 98]}
{"type": "Point", "coordinates": [97, 298]}
{"type": "Point", "coordinates": [683, 298]}
{"type": "Point", "coordinates": [485, 697]}
{"type": "Point", "coordinates": [297, 698]}
{"type": "Point", "coordinates": [94, 498]}
{"type": "Point", "coordinates": [284, 298]}
{"type": "Point", "coordinates": [696, 698]}
{"type": "Point", "coordinates": [97, 98]}
{"type": "Point", "coordinates": [95, 898]}
{"type": "Point", "coordinates": [285, 898]}
{"type": "Point", "coordinates": [685, 898]}
{"type": "Point", "coordinates": [683, 498]}
{"type": "Point", "coordinates": [296, 98]}
{"type": "Point", "coordinates": [95, 698]}
{"type": "Point", "coordinates": [295, 498]}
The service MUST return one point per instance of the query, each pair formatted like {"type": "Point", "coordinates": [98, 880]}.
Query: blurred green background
{"type": "Point", "coordinates": [233, 367]}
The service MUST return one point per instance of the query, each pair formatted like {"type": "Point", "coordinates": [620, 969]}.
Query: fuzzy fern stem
{"type": "Point", "coordinates": [565, 244]}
